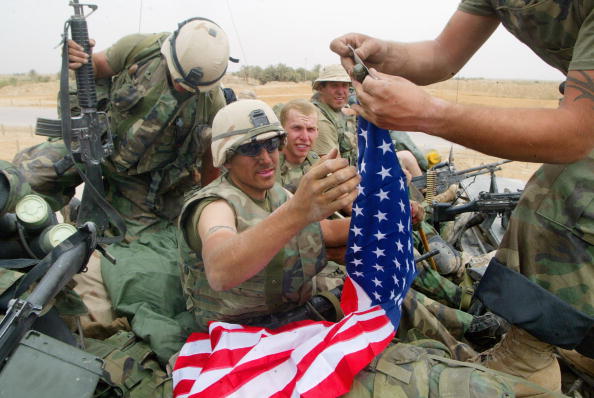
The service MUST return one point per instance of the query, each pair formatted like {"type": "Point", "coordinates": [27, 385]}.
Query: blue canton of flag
{"type": "Point", "coordinates": [380, 259]}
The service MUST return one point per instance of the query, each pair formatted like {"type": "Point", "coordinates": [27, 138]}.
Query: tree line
{"type": "Point", "coordinates": [278, 72]}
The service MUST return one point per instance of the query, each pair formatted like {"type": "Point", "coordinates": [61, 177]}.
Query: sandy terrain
{"type": "Point", "coordinates": [477, 91]}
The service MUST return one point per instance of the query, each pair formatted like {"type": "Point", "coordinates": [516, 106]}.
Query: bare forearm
{"type": "Point", "coordinates": [231, 259]}
{"type": "Point", "coordinates": [532, 135]}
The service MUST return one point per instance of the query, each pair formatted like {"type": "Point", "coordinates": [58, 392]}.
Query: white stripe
{"type": "Point", "coordinates": [326, 362]}
{"type": "Point", "coordinates": [187, 373]}
{"type": "Point", "coordinates": [195, 347]}
{"type": "Point", "coordinates": [269, 382]}
{"type": "Point", "coordinates": [355, 317]}
{"type": "Point", "coordinates": [363, 300]}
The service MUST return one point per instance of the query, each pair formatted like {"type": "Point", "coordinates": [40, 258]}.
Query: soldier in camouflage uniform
{"type": "Point", "coordinates": [163, 99]}
{"type": "Point", "coordinates": [247, 248]}
{"type": "Point", "coordinates": [542, 278]}
{"type": "Point", "coordinates": [337, 130]}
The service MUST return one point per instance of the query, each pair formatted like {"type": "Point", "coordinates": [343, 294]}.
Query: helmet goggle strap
{"type": "Point", "coordinates": [193, 78]}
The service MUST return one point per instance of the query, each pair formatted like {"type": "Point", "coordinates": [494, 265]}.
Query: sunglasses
{"type": "Point", "coordinates": [254, 148]}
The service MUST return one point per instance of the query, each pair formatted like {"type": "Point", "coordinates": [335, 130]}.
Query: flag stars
{"type": "Point", "coordinates": [382, 195]}
{"type": "Point", "coordinates": [364, 135]}
{"type": "Point", "coordinates": [384, 172]}
{"type": "Point", "coordinates": [400, 226]}
{"type": "Point", "coordinates": [399, 245]}
{"type": "Point", "coordinates": [358, 210]}
{"type": "Point", "coordinates": [378, 252]}
{"type": "Point", "coordinates": [356, 248]}
{"type": "Point", "coordinates": [357, 262]}
{"type": "Point", "coordinates": [397, 263]}
{"type": "Point", "coordinates": [362, 167]}
{"type": "Point", "coordinates": [379, 236]}
{"type": "Point", "coordinates": [402, 186]}
{"type": "Point", "coordinates": [378, 268]}
{"type": "Point", "coordinates": [396, 281]}
{"type": "Point", "coordinates": [380, 216]}
{"type": "Point", "coordinates": [385, 147]}
{"type": "Point", "coordinates": [358, 274]}
{"type": "Point", "coordinates": [377, 296]}
{"type": "Point", "coordinates": [402, 206]}
{"type": "Point", "coordinates": [361, 189]}
{"type": "Point", "coordinates": [377, 282]}
{"type": "Point", "coordinates": [357, 231]}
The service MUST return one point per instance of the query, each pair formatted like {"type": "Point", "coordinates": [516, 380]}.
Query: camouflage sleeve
{"type": "Point", "coordinates": [583, 50]}
{"type": "Point", "coordinates": [117, 54]}
{"type": "Point", "coordinates": [18, 186]}
{"type": "Point", "coordinates": [37, 165]}
{"type": "Point", "coordinates": [327, 137]}
{"type": "Point", "coordinates": [218, 102]}
{"type": "Point", "coordinates": [477, 7]}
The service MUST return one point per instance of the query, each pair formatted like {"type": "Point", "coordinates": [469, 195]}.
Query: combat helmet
{"type": "Point", "coordinates": [332, 73]}
{"type": "Point", "coordinates": [239, 123]}
{"type": "Point", "coordinates": [197, 54]}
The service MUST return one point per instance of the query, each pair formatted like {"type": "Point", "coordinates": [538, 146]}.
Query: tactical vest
{"type": "Point", "coordinates": [289, 176]}
{"type": "Point", "coordinates": [347, 141]}
{"type": "Point", "coordinates": [158, 133]}
{"type": "Point", "coordinates": [285, 283]}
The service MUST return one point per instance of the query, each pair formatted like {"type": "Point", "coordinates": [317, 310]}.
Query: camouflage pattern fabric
{"type": "Point", "coordinates": [550, 238]}
{"type": "Point", "coordinates": [436, 321]}
{"type": "Point", "coordinates": [130, 368]}
{"type": "Point", "coordinates": [336, 130]}
{"type": "Point", "coordinates": [423, 369]}
{"type": "Point", "coordinates": [289, 175]}
{"type": "Point", "coordinates": [433, 284]}
{"type": "Point", "coordinates": [160, 136]}
{"type": "Point", "coordinates": [284, 284]}
{"type": "Point", "coordinates": [558, 31]}
{"type": "Point", "coordinates": [19, 186]}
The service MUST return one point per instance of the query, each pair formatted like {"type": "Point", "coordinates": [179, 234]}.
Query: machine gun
{"type": "Point", "coordinates": [490, 203]}
{"type": "Point", "coordinates": [87, 137]}
{"type": "Point", "coordinates": [440, 177]}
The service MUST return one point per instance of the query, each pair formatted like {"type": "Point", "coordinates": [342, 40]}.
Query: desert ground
{"type": "Point", "coordinates": [42, 97]}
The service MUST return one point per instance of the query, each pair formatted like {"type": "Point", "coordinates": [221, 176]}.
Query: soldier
{"type": "Point", "coordinates": [248, 248]}
{"type": "Point", "coordinates": [164, 95]}
{"type": "Point", "coordinates": [299, 119]}
{"type": "Point", "coordinates": [337, 130]}
{"type": "Point", "coordinates": [541, 279]}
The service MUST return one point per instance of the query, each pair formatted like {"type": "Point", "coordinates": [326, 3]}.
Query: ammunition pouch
{"type": "Point", "coordinates": [527, 305]}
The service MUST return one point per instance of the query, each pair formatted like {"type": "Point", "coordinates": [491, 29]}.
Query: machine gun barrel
{"type": "Point", "coordinates": [487, 202]}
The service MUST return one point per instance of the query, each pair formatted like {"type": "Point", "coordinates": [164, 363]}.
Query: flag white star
{"type": "Point", "coordinates": [379, 235]}
{"type": "Point", "coordinates": [356, 230]}
{"type": "Point", "coordinates": [402, 186]}
{"type": "Point", "coordinates": [385, 147]}
{"type": "Point", "coordinates": [364, 135]}
{"type": "Point", "coordinates": [358, 274]}
{"type": "Point", "coordinates": [402, 206]}
{"type": "Point", "coordinates": [396, 282]}
{"type": "Point", "coordinates": [400, 302]}
{"type": "Point", "coordinates": [384, 173]}
{"type": "Point", "coordinates": [400, 246]}
{"type": "Point", "coordinates": [361, 189]}
{"type": "Point", "coordinates": [377, 296]}
{"type": "Point", "coordinates": [382, 195]}
{"type": "Point", "coordinates": [378, 252]}
{"type": "Point", "coordinates": [378, 268]}
{"type": "Point", "coordinates": [377, 282]}
{"type": "Point", "coordinates": [355, 248]}
{"type": "Point", "coordinates": [380, 216]}
{"type": "Point", "coordinates": [392, 295]}
{"type": "Point", "coordinates": [358, 210]}
{"type": "Point", "coordinates": [356, 262]}
{"type": "Point", "coordinates": [362, 169]}
{"type": "Point", "coordinates": [400, 226]}
{"type": "Point", "coordinates": [403, 281]}
{"type": "Point", "coordinates": [397, 263]}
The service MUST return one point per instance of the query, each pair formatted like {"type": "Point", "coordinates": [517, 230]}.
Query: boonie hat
{"type": "Point", "coordinates": [332, 73]}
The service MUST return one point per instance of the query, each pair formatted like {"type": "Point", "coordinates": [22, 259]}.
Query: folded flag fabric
{"type": "Point", "coordinates": [313, 358]}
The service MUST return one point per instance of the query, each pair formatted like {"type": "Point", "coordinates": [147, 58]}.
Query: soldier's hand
{"type": "Point", "coordinates": [77, 55]}
{"type": "Point", "coordinates": [372, 51]}
{"type": "Point", "coordinates": [327, 187]}
{"type": "Point", "coordinates": [417, 212]}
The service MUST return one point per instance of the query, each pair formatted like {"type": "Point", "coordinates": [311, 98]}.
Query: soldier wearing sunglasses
{"type": "Point", "coordinates": [248, 247]}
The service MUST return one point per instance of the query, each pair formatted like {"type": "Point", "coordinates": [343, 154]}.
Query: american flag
{"type": "Point", "coordinates": [312, 358]}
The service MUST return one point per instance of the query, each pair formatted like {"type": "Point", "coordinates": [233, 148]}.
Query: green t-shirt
{"type": "Point", "coordinates": [559, 32]}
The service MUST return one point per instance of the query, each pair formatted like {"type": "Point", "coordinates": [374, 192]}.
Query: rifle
{"type": "Point", "coordinates": [87, 137]}
{"type": "Point", "coordinates": [443, 175]}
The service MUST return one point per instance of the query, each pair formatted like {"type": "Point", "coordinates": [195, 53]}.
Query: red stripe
{"type": "Point", "coordinates": [196, 337]}
{"type": "Point", "coordinates": [195, 361]}
{"type": "Point", "coordinates": [349, 300]}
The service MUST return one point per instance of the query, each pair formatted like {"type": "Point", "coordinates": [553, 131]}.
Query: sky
{"type": "Point", "coordinates": [261, 32]}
